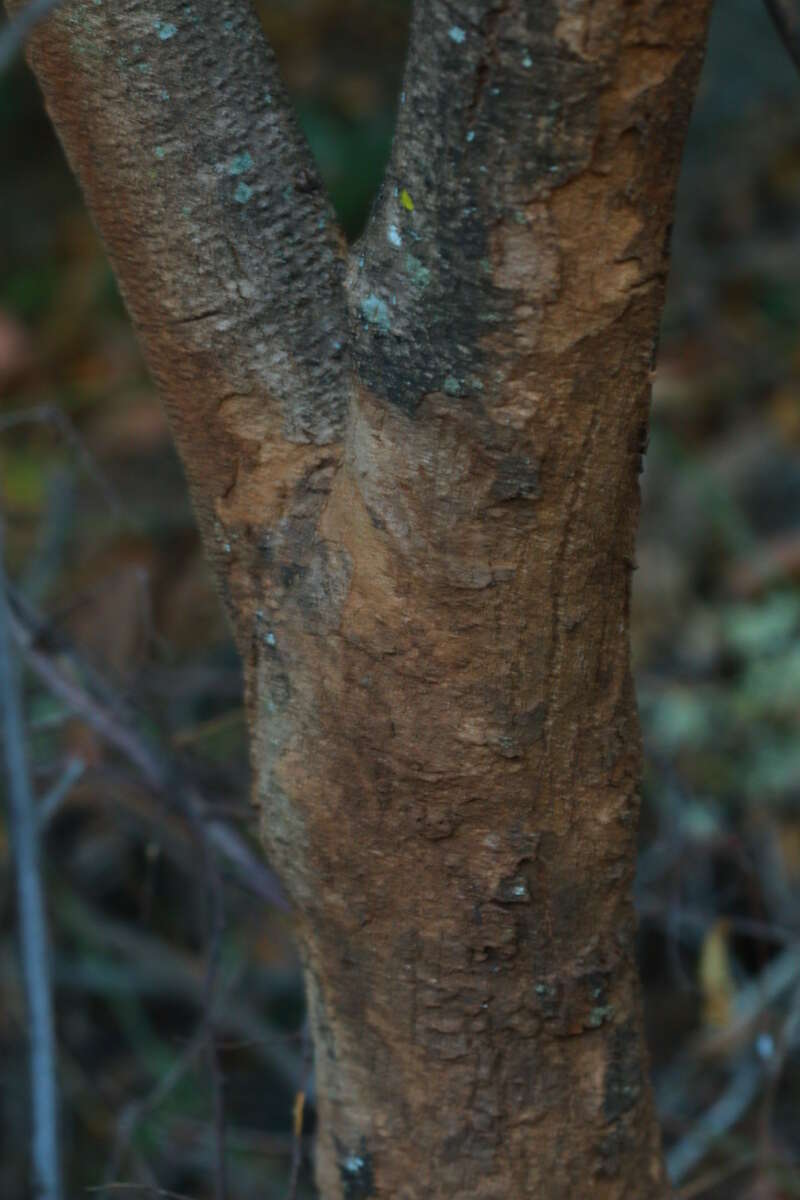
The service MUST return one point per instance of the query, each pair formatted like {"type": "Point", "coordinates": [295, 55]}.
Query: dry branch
{"type": "Point", "coordinates": [31, 915]}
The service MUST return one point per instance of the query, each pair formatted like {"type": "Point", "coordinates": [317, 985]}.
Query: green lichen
{"type": "Point", "coordinates": [376, 312]}
{"type": "Point", "coordinates": [243, 193]}
{"type": "Point", "coordinates": [599, 1015]}
{"type": "Point", "coordinates": [165, 30]}
{"type": "Point", "coordinates": [418, 273]}
{"type": "Point", "coordinates": [160, 152]}
{"type": "Point", "coordinates": [452, 386]}
{"type": "Point", "coordinates": [240, 164]}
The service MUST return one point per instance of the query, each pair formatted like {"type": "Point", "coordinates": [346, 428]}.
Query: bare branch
{"type": "Point", "coordinates": [32, 920]}
{"type": "Point", "coordinates": [182, 974]}
{"type": "Point", "coordinates": [717, 1121]}
{"type": "Point", "coordinates": [52, 801]}
{"type": "Point", "coordinates": [156, 770]}
{"type": "Point", "coordinates": [51, 414]}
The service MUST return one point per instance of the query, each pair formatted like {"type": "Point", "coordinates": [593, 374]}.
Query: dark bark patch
{"type": "Point", "coordinates": [517, 478]}
{"type": "Point", "coordinates": [356, 1172]}
{"type": "Point", "coordinates": [623, 1079]}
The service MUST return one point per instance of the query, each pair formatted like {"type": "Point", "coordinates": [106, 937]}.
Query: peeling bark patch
{"type": "Point", "coordinates": [526, 253]}
{"type": "Point", "coordinates": [355, 1172]}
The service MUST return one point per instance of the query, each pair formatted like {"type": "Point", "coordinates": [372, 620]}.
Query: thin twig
{"type": "Point", "coordinates": [156, 770]}
{"type": "Point", "coordinates": [149, 1190]}
{"type": "Point", "coordinates": [776, 1063]}
{"type": "Point", "coordinates": [52, 801]}
{"type": "Point", "coordinates": [165, 965]}
{"type": "Point", "coordinates": [712, 1179]}
{"type": "Point", "coordinates": [298, 1114]}
{"type": "Point", "coordinates": [14, 37]}
{"type": "Point", "coordinates": [51, 414]}
{"type": "Point", "coordinates": [216, 930]}
{"type": "Point", "coordinates": [786, 17]}
{"type": "Point", "coordinates": [134, 1112]}
{"type": "Point", "coordinates": [32, 921]}
{"type": "Point", "coordinates": [716, 1121]}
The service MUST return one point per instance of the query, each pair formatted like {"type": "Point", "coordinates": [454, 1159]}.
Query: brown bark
{"type": "Point", "coordinates": [418, 484]}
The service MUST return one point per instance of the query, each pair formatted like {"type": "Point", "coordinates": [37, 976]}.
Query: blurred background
{"type": "Point", "coordinates": [131, 685]}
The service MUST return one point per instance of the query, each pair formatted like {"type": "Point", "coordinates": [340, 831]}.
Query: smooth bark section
{"type": "Point", "coordinates": [227, 251]}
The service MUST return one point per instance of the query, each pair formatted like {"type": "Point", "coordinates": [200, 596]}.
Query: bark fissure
{"type": "Point", "coordinates": [416, 468]}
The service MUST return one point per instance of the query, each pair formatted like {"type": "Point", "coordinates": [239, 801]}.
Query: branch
{"type": "Point", "coordinates": [158, 771]}
{"type": "Point", "coordinates": [718, 1120]}
{"type": "Point", "coordinates": [32, 921]}
{"type": "Point", "coordinates": [493, 225]}
{"type": "Point", "coordinates": [177, 125]}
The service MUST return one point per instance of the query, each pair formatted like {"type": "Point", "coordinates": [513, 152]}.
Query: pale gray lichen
{"type": "Point", "coordinates": [376, 312]}
{"type": "Point", "coordinates": [393, 235]}
{"type": "Point", "coordinates": [599, 1016]}
{"type": "Point", "coordinates": [456, 34]}
{"type": "Point", "coordinates": [240, 164]}
{"type": "Point", "coordinates": [418, 273]}
{"type": "Point", "coordinates": [165, 29]}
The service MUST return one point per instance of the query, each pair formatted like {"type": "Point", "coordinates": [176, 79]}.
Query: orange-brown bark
{"type": "Point", "coordinates": [423, 517]}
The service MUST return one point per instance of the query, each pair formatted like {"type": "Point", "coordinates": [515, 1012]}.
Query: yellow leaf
{"type": "Point", "coordinates": [406, 201]}
{"type": "Point", "coordinates": [297, 1112]}
{"type": "Point", "coordinates": [715, 974]}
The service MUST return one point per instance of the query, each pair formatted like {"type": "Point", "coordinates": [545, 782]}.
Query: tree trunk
{"type": "Point", "coordinates": [416, 470]}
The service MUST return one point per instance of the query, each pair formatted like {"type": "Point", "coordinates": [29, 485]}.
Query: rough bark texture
{"type": "Point", "coordinates": [418, 483]}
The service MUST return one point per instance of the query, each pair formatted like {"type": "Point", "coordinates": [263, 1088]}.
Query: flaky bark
{"type": "Point", "coordinates": [418, 485]}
